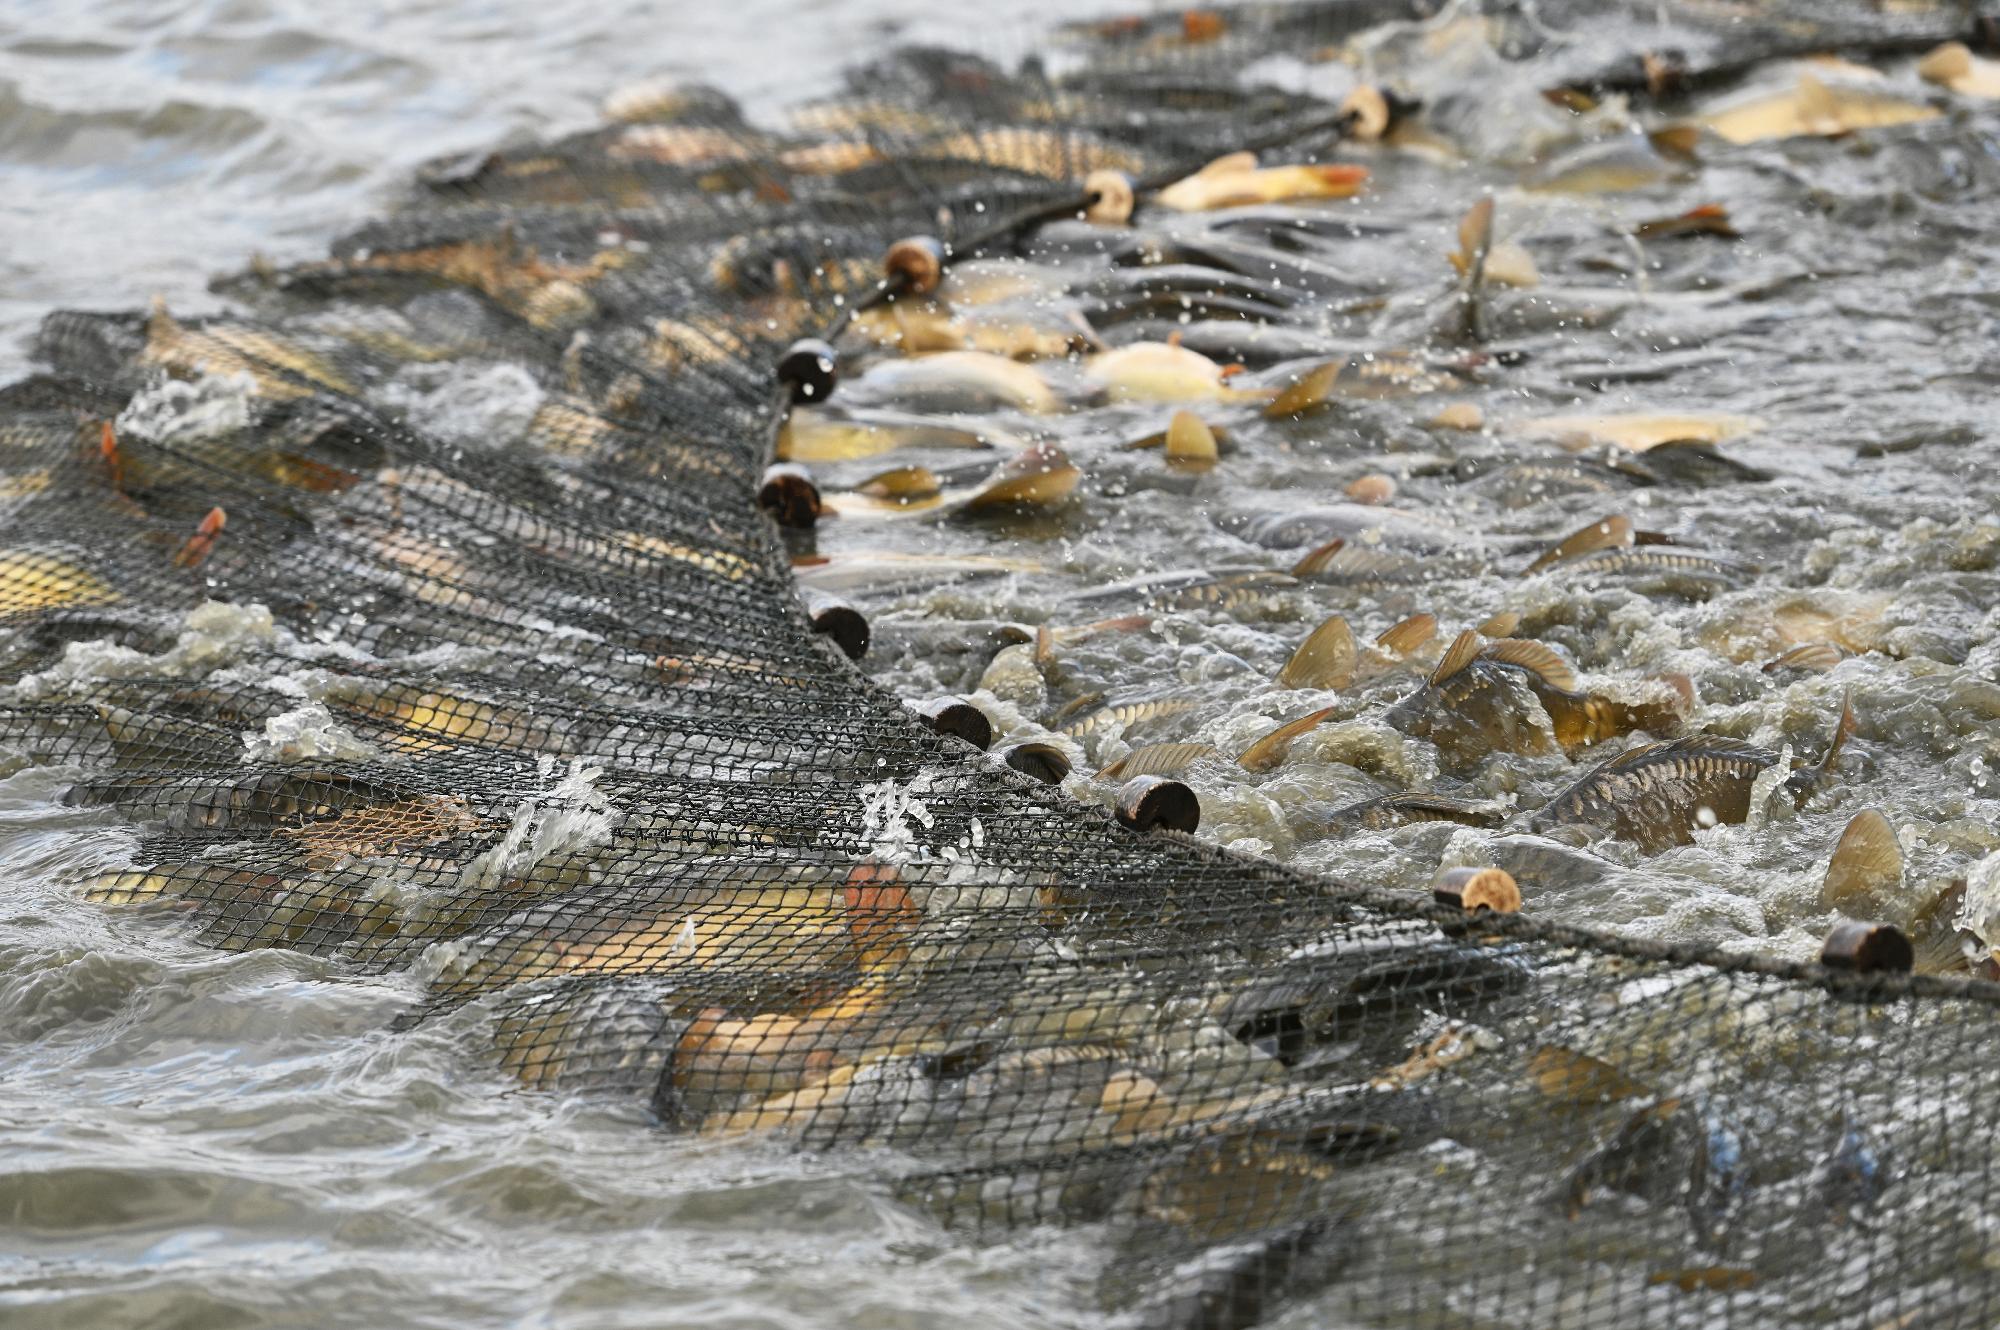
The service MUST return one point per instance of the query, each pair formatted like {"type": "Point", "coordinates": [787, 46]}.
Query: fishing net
{"type": "Point", "coordinates": [422, 616]}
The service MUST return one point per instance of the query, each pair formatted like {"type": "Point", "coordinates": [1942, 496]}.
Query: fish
{"type": "Point", "coordinates": [887, 571]}
{"type": "Point", "coordinates": [1665, 570]}
{"type": "Point", "coordinates": [1629, 161]}
{"type": "Point", "coordinates": [1635, 431]}
{"type": "Point", "coordinates": [968, 381]}
{"type": "Point", "coordinates": [1196, 589]}
{"type": "Point", "coordinates": [1673, 1151]}
{"type": "Point", "coordinates": [916, 328]}
{"type": "Point", "coordinates": [1485, 697]}
{"type": "Point", "coordinates": [1039, 475]}
{"type": "Point", "coordinates": [1359, 524]}
{"type": "Point", "coordinates": [31, 580]}
{"type": "Point", "coordinates": [1711, 219]}
{"type": "Point", "coordinates": [1813, 106]}
{"type": "Point", "coordinates": [1658, 795]}
{"type": "Point", "coordinates": [1163, 372]}
{"type": "Point", "coordinates": [816, 434]}
{"type": "Point", "coordinates": [1394, 810]}
{"type": "Point", "coordinates": [1236, 179]}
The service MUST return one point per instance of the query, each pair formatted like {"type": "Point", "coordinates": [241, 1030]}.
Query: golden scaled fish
{"type": "Point", "coordinates": [915, 328]}
{"type": "Point", "coordinates": [1165, 372]}
{"type": "Point", "coordinates": [1635, 431]}
{"type": "Point", "coordinates": [1658, 795]}
{"type": "Point", "coordinates": [1237, 180]}
{"type": "Point", "coordinates": [1490, 697]}
{"type": "Point", "coordinates": [1816, 107]}
{"type": "Point", "coordinates": [1039, 476]}
{"type": "Point", "coordinates": [31, 580]}
{"type": "Point", "coordinates": [281, 368]}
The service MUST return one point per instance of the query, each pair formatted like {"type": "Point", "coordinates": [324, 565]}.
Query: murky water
{"type": "Point", "coordinates": [209, 1140]}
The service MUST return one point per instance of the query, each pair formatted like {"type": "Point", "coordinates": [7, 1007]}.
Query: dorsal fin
{"type": "Point", "coordinates": [1842, 732]}
{"type": "Point", "coordinates": [1419, 801]}
{"type": "Point", "coordinates": [1614, 532]}
{"type": "Point", "coordinates": [1324, 660]}
{"type": "Point", "coordinates": [1475, 238]}
{"type": "Point", "coordinates": [1310, 391]}
{"type": "Point", "coordinates": [1270, 750]}
{"type": "Point", "coordinates": [1189, 440]}
{"type": "Point", "coordinates": [1348, 563]}
{"type": "Point", "coordinates": [1678, 141]}
{"type": "Point", "coordinates": [1463, 651]}
{"type": "Point", "coordinates": [1319, 558]}
{"type": "Point", "coordinates": [1535, 657]}
{"type": "Point", "coordinates": [1409, 635]}
{"type": "Point", "coordinates": [1633, 757]}
{"type": "Point", "coordinates": [902, 483]}
{"type": "Point", "coordinates": [1161, 759]}
{"type": "Point", "coordinates": [1234, 163]}
{"type": "Point", "coordinates": [1867, 861]}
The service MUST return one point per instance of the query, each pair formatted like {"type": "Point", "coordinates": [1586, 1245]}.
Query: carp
{"type": "Point", "coordinates": [1519, 696]}
{"type": "Point", "coordinates": [1658, 795]}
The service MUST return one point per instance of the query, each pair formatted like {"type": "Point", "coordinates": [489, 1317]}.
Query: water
{"type": "Point", "coordinates": [209, 1140]}
{"type": "Point", "coordinates": [148, 147]}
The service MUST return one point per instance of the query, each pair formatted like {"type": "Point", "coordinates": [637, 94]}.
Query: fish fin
{"type": "Point", "coordinates": [1868, 859]}
{"type": "Point", "coordinates": [1234, 163]}
{"type": "Point", "coordinates": [1632, 757]}
{"type": "Point", "coordinates": [1503, 624]}
{"type": "Point", "coordinates": [1475, 237]}
{"type": "Point", "coordinates": [1319, 558]}
{"type": "Point", "coordinates": [1483, 811]}
{"type": "Point", "coordinates": [902, 483]}
{"type": "Point", "coordinates": [1190, 440]}
{"type": "Point", "coordinates": [1614, 532]}
{"type": "Point", "coordinates": [1535, 657]}
{"type": "Point", "coordinates": [1270, 750]}
{"type": "Point", "coordinates": [1815, 656]}
{"type": "Point", "coordinates": [1324, 660]}
{"type": "Point", "coordinates": [1161, 759]}
{"type": "Point", "coordinates": [1039, 474]}
{"type": "Point", "coordinates": [1349, 563]}
{"type": "Point", "coordinates": [1310, 391]}
{"type": "Point", "coordinates": [1676, 141]}
{"type": "Point", "coordinates": [1409, 635]}
{"type": "Point", "coordinates": [1842, 732]}
{"type": "Point", "coordinates": [1463, 651]}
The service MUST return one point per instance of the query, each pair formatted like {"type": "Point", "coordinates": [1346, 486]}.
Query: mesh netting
{"type": "Point", "coordinates": [548, 726]}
